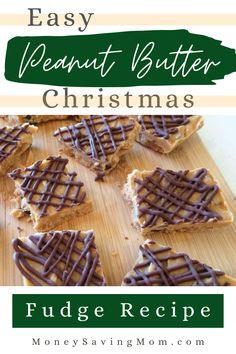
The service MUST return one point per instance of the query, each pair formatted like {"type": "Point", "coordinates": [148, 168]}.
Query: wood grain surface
{"type": "Point", "coordinates": [116, 239]}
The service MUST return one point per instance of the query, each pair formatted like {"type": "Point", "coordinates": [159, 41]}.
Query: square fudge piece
{"type": "Point", "coordinates": [98, 142]}
{"type": "Point", "coordinates": [68, 258]}
{"type": "Point", "coordinates": [49, 193]}
{"type": "Point", "coordinates": [164, 133]}
{"type": "Point", "coordinates": [14, 141]}
{"type": "Point", "coordinates": [161, 266]}
{"type": "Point", "coordinates": [32, 119]}
{"type": "Point", "coordinates": [176, 200]}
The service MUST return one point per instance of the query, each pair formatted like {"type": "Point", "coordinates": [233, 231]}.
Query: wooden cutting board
{"type": "Point", "coordinates": [116, 238]}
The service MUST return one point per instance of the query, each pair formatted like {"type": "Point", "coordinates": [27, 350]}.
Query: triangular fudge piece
{"type": "Point", "coordinates": [49, 193]}
{"type": "Point", "coordinates": [159, 265]}
{"type": "Point", "coordinates": [176, 200]}
{"type": "Point", "coordinates": [14, 141]}
{"type": "Point", "coordinates": [98, 142]}
{"type": "Point", "coordinates": [164, 133]}
{"type": "Point", "coordinates": [68, 258]}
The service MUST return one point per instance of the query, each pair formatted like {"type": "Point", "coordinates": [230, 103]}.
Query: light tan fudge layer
{"type": "Point", "coordinates": [111, 161]}
{"type": "Point", "coordinates": [218, 204]}
{"type": "Point", "coordinates": [170, 259]}
{"type": "Point", "coordinates": [61, 265]}
{"type": "Point", "coordinates": [165, 146]}
{"type": "Point", "coordinates": [54, 217]}
{"type": "Point", "coordinates": [24, 143]}
{"type": "Point", "coordinates": [34, 119]}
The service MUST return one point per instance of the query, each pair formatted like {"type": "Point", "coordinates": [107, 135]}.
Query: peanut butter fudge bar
{"type": "Point", "coordinates": [32, 119]}
{"type": "Point", "coordinates": [161, 266]}
{"type": "Point", "coordinates": [164, 133]}
{"type": "Point", "coordinates": [14, 141]}
{"type": "Point", "coordinates": [98, 142]}
{"type": "Point", "coordinates": [49, 193]}
{"type": "Point", "coordinates": [67, 258]}
{"type": "Point", "coordinates": [176, 200]}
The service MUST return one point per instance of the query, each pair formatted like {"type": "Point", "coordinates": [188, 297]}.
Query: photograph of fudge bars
{"type": "Point", "coordinates": [160, 200]}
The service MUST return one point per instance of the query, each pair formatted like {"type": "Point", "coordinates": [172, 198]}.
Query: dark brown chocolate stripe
{"type": "Point", "coordinates": [50, 178]}
{"type": "Point", "coordinates": [165, 275]}
{"type": "Point", "coordinates": [96, 136]}
{"type": "Point", "coordinates": [163, 126]}
{"type": "Point", "coordinates": [9, 138]}
{"type": "Point", "coordinates": [58, 253]}
{"type": "Point", "coordinates": [166, 194]}
{"type": "Point", "coordinates": [27, 118]}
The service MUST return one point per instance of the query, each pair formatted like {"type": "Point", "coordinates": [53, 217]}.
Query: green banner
{"type": "Point", "coordinates": [117, 310]}
{"type": "Point", "coordinates": [135, 58]}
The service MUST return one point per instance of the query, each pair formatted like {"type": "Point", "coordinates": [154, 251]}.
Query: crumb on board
{"type": "Point", "coordinates": [114, 253]}
{"type": "Point", "coordinates": [126, 238]}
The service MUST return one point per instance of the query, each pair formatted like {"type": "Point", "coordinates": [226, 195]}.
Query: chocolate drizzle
{"type": "Point", "coordinates": [175, 197]}
{"type": "Point", "coordinates": [100, 176]}
{"type": "Point", "coordinates": [97, 136]}
{"type": "Point", "coordinates": [39, 185]}
{"type": "Point", "coordinates": [170, 269]}
{"type": "Point", "coordinates": [66, 258]}
{"type": "Point", "coordinates": [27, 118]}
{"type": "Point", "coordinates": [163, 126]}
{"type": "Point", "coordinates": [9, 138]}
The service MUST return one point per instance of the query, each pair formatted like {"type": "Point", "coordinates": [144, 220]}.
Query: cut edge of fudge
{"type": "Point", "coordinates": [20, 139]}
{"type": "Point", "coordinates": [224, 217]}
{"type": "Point", "coordinates": [47, 259]}
{"type": "Point", "coordinates": [158, 265]}
{"type": "Point", "coordinates": [101, 165]}
{"type": "Point", "coordinates": [60, 210]}
{"type": "Point", "coordinates": [166, 145]}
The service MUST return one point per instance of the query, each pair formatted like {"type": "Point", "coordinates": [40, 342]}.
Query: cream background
{"type": "Point", "coordinates": [219, 137]}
